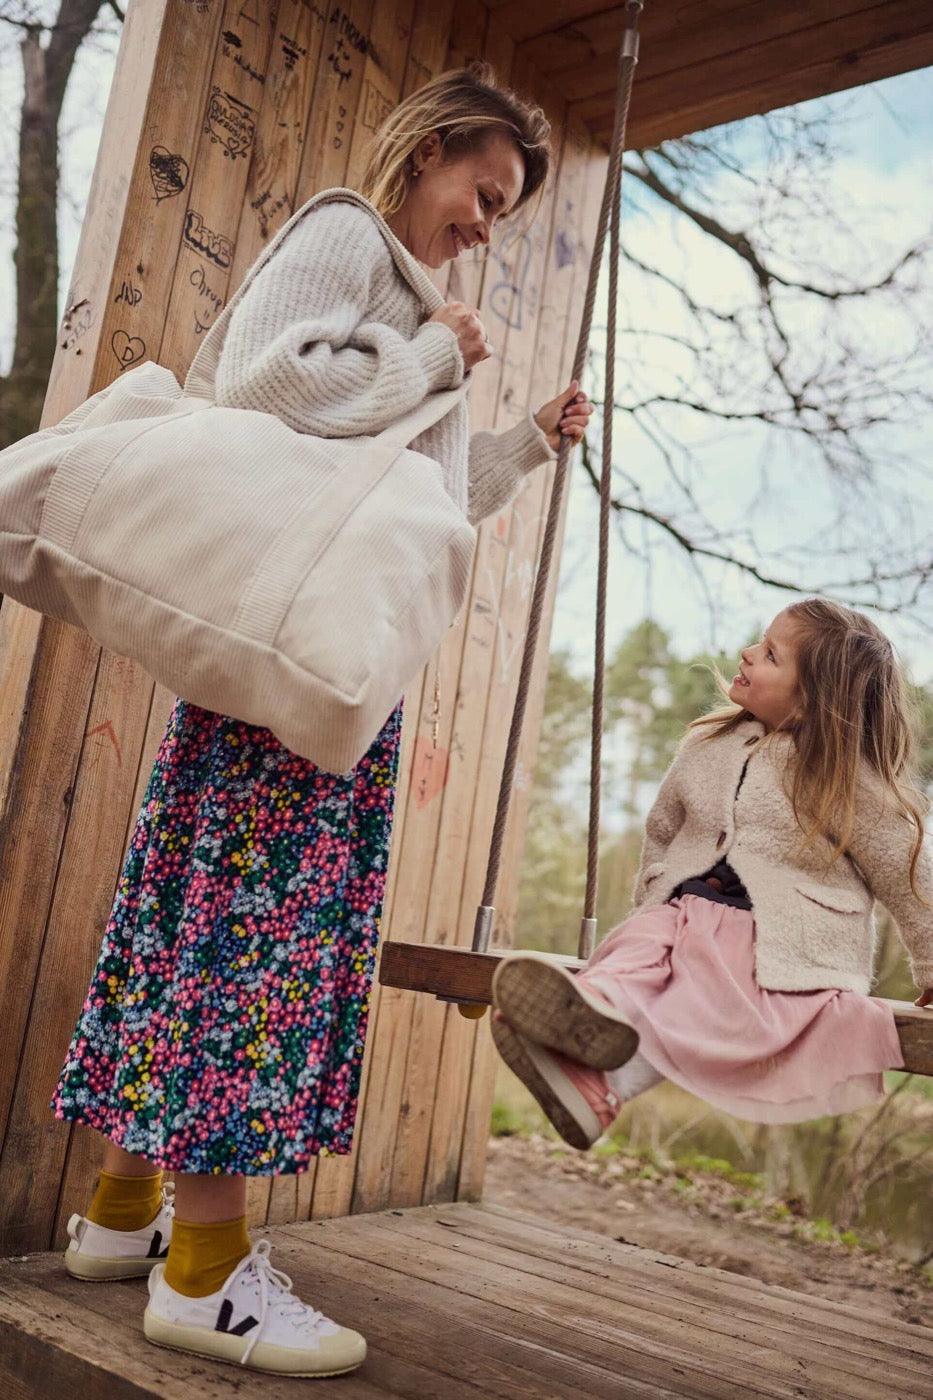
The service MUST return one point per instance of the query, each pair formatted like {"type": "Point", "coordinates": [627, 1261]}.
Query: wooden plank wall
{"type": "Point", "coordinates": [223, 118]}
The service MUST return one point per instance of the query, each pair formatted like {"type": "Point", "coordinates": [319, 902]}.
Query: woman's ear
{"type": "Point", "coordinates": [429, 151]}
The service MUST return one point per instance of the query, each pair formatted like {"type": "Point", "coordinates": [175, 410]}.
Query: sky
{"type": "Point", "coordinates": [884, 177]}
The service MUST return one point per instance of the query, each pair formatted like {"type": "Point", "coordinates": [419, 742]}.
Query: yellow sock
{"type": "Point", "coordinates": [201, 1256]}
{"type": "Point", "coordinates": [126, 1202]}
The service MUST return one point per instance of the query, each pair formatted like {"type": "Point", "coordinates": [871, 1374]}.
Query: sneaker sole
{"type": "Point", "coordinates": [92, 1268]}
{"type": "Point", "coordinates": [220, 1346]}
{"type": "Point", "coordinates": [547, 1004]}
{"type": "Point", "coordinates": [562, 1102]}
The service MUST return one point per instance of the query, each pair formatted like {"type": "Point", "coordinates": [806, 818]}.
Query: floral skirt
{"type": "Point", "coordinates": [224, 1025]}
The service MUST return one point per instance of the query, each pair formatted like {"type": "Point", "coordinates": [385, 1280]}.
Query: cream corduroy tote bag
{"type": "Point", "coordinates": [290, 581]}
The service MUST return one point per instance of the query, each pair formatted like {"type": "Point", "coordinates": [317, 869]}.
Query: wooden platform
{"type": "Point", "coordinates": [472, 1301]}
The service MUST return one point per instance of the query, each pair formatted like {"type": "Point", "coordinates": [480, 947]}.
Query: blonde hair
{"type": "Point", "coordinates": [854, 711]}
{"type": "Point", "coordinates": [465, 105]}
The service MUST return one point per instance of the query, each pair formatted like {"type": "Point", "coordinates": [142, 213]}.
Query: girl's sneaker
{"type": "Point", "coordinates": [577, 1100]}
{"type": "Point", "coordinates": [96, 1253]}
{"type": "Point", "coordinates": [254, 1320]}
{"type": "Point", "coordinates": [548, 1005]}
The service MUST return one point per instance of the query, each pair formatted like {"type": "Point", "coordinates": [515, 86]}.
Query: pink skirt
{"type": "Point", "coordinates": [684, 975]}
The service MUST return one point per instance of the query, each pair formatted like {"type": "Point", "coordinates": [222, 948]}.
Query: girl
{"type": "Point", "coordinates": [744, 970]}
{"type": "Point", "coordinates": [222, 1035]}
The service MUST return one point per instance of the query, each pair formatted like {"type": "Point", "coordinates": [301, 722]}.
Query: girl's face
{"type": "Point", "coordinates": [452, 206]}
{"type": "Point", "coordinates": [766, 683]}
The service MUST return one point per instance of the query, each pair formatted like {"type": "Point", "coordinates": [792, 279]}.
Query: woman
{"type": "Point", "coordinates": [222, 1035]}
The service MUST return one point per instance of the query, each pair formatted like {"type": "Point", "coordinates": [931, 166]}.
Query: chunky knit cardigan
{"type": "Point", "coordinates": [814, 924]}
{"type": "Point", "coordinates": [335, 341]}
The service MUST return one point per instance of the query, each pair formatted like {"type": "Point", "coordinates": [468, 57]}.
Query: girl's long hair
{"type": "Point", "coordinates": [465, 105]}
{"type": "Point", "coordinates": [854, 711]}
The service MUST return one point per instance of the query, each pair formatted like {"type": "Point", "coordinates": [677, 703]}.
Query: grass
{"type": "Point", "coordinates": [805, 1180]}
{"type": "Point", "coordinates": [920, 1084]}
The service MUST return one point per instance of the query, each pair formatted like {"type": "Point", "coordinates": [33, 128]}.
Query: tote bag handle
{"type": "Point", "coordinates": [199, 382]}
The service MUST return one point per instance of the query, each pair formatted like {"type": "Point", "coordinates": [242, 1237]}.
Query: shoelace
{"type": "Point", "coordinates": [258, 1260]}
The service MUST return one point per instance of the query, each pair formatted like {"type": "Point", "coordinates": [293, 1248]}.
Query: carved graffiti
{"type": "Point", "coordinates": [75, 322]}
{"type": "Point", "coordinates": [375, 106]}
{"type": "Point", "coordinates": [564, 249]}
{"type": "Point", "coordinates": [349, 31]}
{"type": "Point", "coordinates": [214, 246]}
{"type": "Point", "coordinates": [340, 60]}
{"type": "Point", "coordinates": [513, 259]}
{"type": "Point", "coordinates": [128, 293]}
{"type": "Point", "coordinates": [168, 172]}
{"type": "Point", "coordinates": [266, 208]}
{"type": "Point", "coordinates": [129, 349]}
{"type": "Point", "coordinates": [291, 52]}
{"type": "Point", "coordinates": [232, 45]}
{"type": "Point", "coordinates": [339, 125]}
{"type": "Point", "coordinates": [229, 123]}
{"type": "Point", "coordinates": [209, 302]}
{"type": "Point", "coordinates": [107, 729]}
{"type": "Point", "coordinates": [347, 40]}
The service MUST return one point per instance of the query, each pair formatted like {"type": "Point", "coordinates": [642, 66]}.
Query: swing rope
{"type": "Point", "coordinates": [609, 216]}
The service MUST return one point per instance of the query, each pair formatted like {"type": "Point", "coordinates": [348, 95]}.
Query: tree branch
{"type": "Point", "coordinates": [920, 572]}
{"type": "Point", "coordinates": [741, 244]}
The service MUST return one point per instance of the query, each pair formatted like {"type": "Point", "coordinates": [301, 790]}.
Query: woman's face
{"type": "Point", "coordinates": [452, 206]}
{"type": "Point", "coordinates": [766, 683]}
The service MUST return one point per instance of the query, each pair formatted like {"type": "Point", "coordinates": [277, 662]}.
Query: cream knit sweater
{"type": "Point", "coordinates": [814, 926]}
{"type": "Point", "coordinates": [332, 339]}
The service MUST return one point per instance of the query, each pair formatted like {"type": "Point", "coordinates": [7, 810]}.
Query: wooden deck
{"type": "Point", "coordinates": [473, 1301]}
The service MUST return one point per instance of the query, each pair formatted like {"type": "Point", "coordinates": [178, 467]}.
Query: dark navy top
{"type": "Point", "coordinates": [720, 884]}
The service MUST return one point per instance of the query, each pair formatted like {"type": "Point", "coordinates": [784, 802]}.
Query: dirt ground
{"type": "Point", "coordinates": [527, 1174]}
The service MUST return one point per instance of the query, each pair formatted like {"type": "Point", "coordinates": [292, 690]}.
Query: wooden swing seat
{"type": "Point", "coordinates": [463, 976]}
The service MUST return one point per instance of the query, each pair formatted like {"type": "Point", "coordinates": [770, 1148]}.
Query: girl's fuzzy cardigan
{"type": "Point", "coordinates": [814, 923]}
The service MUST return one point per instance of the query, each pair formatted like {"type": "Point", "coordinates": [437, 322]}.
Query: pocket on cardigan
{"type": "Point", "coordinates": [829, 897]}
{"type": "Point", "coordinates": [835, 928]}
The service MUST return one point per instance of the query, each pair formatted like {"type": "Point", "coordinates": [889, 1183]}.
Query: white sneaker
{"type": "Point", "coordinates": [254, 1319]}
{"type": "Point", "coordinates": [96, 1253]}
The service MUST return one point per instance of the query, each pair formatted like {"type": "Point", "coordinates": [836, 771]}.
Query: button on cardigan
{"type": "Point", "coordinates": [814, 922]}
{"type": "Point", "coordinates": [335, 341]}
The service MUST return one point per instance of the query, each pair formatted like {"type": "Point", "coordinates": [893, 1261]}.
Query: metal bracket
{"type": "Point", "coordinates": [482, 928]}
{"type": "Point", "coordinates": [587, 941]}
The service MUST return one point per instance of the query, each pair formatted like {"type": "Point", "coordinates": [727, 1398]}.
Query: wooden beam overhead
{"type": "Point", "coordinates": [704, 62]}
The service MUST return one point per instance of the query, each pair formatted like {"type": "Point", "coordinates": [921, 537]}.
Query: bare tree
{"type": "Point", "coordinates": [48, 49]}
{"type": "Point", "coordinates": [810, 343]}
